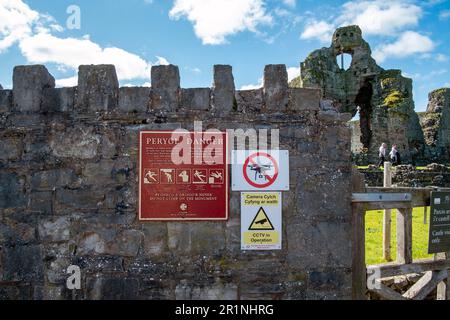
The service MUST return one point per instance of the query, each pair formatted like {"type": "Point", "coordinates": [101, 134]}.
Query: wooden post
{"type": "Point", "coordinates": [404, 236]}
{"type": "Point", "coordinates": [425, 215]}
{"type": "Point", "coordinates": [359, 270]}
{"type": "Point", "coordinates": [387, 217]}
{"type": "Point", "coordinates": [443, 288]}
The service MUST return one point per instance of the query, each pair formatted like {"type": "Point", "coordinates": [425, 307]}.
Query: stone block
{"type": "Point", "coordinates": [41, 202]}
{"type": "Point", "coordinates": [12, 194]}
{"type": "Point", "coordinates": [310, 247]}
{"type": "Point", "coordinates": [223, 89]}
{"type": "Point", "coordinates": [196, 239]}
{"type": "Point", "coordinates": [155, 239]}
{"type": "Point", "coordinates": [22, 263]}
{"type": "Point", "coordinates": [49, 293]}
{"type": "Point", "coordinates": [18, 229]}
{"type": "Point", "coordinates": [134, 99]}
{"type": "Point", "coordinates": [98, 88]}
{"type": "Point", "coordinates": [86, 199]}
{"type": "Point", "coordinates": [326, 279]}
{"type": "Point", "coordinates": [276, 92]}
{"type": "Point", "coordinates": [216, 291]}
{"type": "Point", "coordinates": [110, 242]}
{"type": "Point", "coordinates": [15, 292]}
{"type": "Point", "coordinates": [55, 229]}
{"type": "Point", "coordinates": [29, 83]}
{"type": "Point", "coordinates": [196, 99]}
{"type": "Point", "coordinates": [75, 142]}
{"type": "Point", "coordinates": [104, 288]}
{"type": "Point", "coordinates": [301, 99]}
{"type": "Point", "coordinates": [165, 87]}
{"type": "Point", "coordinates": [59, 99]}
{"type": "Point", "coordinates": [51, 179]}
{"type": "Point", "coordinates": [5, 101]}
{"type": "Point", "coordinates": [98, 173]}
{"type": "Point", "coordinates": [56, 271]}
{"type": "Point", "coordinates": [250, 101]}
{"type": "Point", "coordinates": [11, 148]}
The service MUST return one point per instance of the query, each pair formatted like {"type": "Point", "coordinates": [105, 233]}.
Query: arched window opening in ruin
{"type": "Point", "coordinates": [344, 60]}
{"type": "Point", "coordinates": [364, 107]}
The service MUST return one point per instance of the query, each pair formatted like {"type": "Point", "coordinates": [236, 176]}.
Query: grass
{"type": "Point", "coordinates": [374, 236]}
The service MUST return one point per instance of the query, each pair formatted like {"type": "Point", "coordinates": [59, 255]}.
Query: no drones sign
{"type": "Point", "coordinates": [260, 170]}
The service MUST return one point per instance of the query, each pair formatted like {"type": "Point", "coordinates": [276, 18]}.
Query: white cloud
{"type": "Point", "coordinates": [293, 72]}
{"type": "Point", "coordinates": [375, 17]}
{"type": "Point", "coordinates": [16, 22]}
{"type": "Point", "coordinates": [318, 30]}
{"type": "Point", "coordinates": [162, 61]}
{"type": "Point", "coordinates": [380, 17]}
{"type": "Point", "coordinates": [408, 43]}
{"type": "Point", "coordinates": [32, 31]}
{"type": "Point", "coordinates": [441, 57]}
{"type": "Point", "coordinates": [444, 15]}
{"type": "Point", "coordinates": [215, 20]}
{"type": "Point", "coordinates": [290, 3]}
{"type": "Point", "coordinates": [259, 85]}
{"type": "Point", "coordinates": [72, 52]}
{"type": "Point", "coordinates": [67, 82]}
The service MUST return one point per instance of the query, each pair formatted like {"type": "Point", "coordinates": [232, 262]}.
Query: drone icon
{"type": "Point", "coordinates": [261, 170]}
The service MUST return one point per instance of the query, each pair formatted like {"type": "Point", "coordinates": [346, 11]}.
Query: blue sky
{"type": "Point", "coordinates": [196, 34]}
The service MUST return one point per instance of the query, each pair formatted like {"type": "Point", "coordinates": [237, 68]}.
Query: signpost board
{"type": "Point", "coordinates": [439, 223]}
{"type": "Point", "coordinates": [196, 189]}
{"type": "Point", "coordinates": [260, 170]}
{"type": "Point", "coordinates": [261, 221]}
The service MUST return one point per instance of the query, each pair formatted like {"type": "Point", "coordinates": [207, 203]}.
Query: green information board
{"type": "Point", "coordinates": [439, 223]}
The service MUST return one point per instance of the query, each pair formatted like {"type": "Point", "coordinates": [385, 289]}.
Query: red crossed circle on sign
{"type": "Point", "coordinates": [251, 161]}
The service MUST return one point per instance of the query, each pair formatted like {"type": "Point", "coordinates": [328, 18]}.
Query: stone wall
{"type": "Point", "coordinates": [68, 191]}
{"type": "Point", "coordinates": [433, 175]}
{"type": "Point", "coordinates": [436, 126]}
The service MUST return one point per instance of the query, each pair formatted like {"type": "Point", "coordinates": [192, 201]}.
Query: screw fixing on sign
{"type": "Point", "coordinates": [260, 170]}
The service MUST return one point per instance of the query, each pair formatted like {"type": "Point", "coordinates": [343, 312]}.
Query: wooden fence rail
{"type": "Point", "coordinates": [436, 272]}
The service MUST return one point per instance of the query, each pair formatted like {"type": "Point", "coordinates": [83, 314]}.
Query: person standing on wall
{"type": "Point", "coordinates": [395, 156]}
{"type": "Point", "coordinates": [382, 155]}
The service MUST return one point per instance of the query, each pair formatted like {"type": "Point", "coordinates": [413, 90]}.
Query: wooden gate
{"type": "Point", "coordinates": [435, 272]}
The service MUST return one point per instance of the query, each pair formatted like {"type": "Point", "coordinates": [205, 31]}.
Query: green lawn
{"type": "Point", "coordinates": [374, 236]}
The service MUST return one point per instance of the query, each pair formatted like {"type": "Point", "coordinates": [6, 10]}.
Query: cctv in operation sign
{"type": "Point", "coordinates": [183, 176]}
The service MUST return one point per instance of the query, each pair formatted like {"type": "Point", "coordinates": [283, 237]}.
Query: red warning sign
{"type": "Point", "coordinates": [183, 176]}
{"type": "Point", "coordinates": [260, 170]}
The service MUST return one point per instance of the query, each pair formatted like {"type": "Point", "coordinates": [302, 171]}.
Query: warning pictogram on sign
{"type": "Point", "coordinates": [261, 222]}
{"type": "Point", "coordinates": [260, 170]}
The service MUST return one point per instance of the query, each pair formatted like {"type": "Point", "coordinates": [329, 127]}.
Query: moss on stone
{"type": "Point", "coordinates": [394, 99]}
{"type": "Point", "coordinates": [387, 82]}
{"type": "Point", "coordinates": [440, 92]}
{"type": "Point", "coordinates": [296, 83]}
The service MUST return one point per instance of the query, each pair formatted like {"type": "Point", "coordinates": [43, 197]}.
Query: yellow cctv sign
{"type": "Point", "coordinates": [261, 221]}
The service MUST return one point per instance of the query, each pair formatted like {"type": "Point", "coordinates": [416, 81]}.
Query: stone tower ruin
{"type": "Point", "coordinates": [383, 98]}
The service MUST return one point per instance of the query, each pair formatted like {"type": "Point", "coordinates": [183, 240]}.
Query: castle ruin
{"type": "Point", "coordinates": [383, 98]}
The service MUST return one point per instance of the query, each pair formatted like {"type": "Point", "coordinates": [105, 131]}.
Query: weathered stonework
{"type": "Point", "coordinates": [436, 125]}
{"type": "Point", "coordinates": [434, 175]}
{"type": "Point", "coordinates": [382, 97]}
{"type": "Point", "coordinates": [68, 191]}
